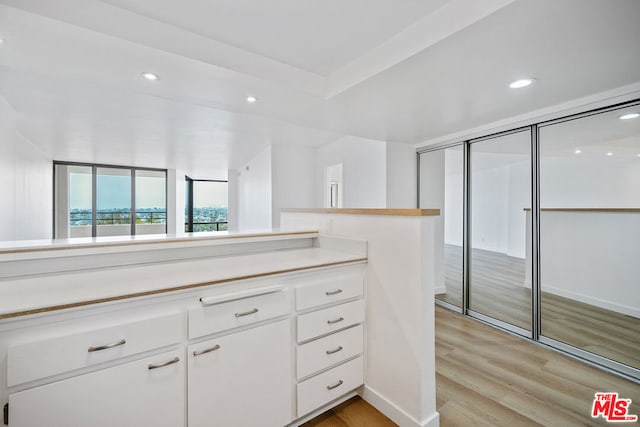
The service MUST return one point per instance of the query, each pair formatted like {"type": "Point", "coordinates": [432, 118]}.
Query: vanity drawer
{"type": "Point", "coordinates": [331, 350]}
{"type": "Point", "coordinates": [330, 319]}
{"type": "Point", "coordinates": [330, 290]}
{"type": "Point", "coordinates": [235, 312]}
{"type": "Point", "coordinates": [64, 353]}
{"type": "Point", "coordinates": [330, 385]}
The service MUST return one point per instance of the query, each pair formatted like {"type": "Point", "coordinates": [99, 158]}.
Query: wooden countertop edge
{"type": "Point", "coordinates": [72, 246]}
{"type": "Point", "coordinates": [173, 289]}
{"type": "Point", "coordinates": [586, 209]}
{"type": "Point", "coordinates": [362, 211]}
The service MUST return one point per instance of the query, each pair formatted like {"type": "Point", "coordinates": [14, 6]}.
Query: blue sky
{"type": "Point", "coordinates": [114, 192]}
{"type": "Point", "coordinates": [207, 194]}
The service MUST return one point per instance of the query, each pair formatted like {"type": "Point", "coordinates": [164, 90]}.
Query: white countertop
{"type": "Point", "coordinates": [33, 294]}
{"type": "Point", "coordinates": [63, 247]}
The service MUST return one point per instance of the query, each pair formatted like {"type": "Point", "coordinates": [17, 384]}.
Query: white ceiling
{"type": "Point", "coordinates": [317, 36]}
{"type": "Point", "coordinates": [396, 70]}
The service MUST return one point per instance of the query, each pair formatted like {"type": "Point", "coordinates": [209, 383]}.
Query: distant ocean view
{"type": "Point", "coordinates": [204, 219]}
{"type": "Point", "coordinates": [114, 200]}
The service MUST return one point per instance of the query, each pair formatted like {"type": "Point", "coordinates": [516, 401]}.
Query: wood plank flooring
{"type": "Point", "coordinates": [355, 412]}
{"type": "Point", "coordinates": [486, 377]}
{"type": "Point", "coordinates": [498, 291]}
{"type": "Point", "coordinates": [496, 379]}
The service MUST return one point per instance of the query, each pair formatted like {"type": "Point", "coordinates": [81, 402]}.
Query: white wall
{"type": "Point", "coordinates": [401, 175]}
{"type": "Point", "coordinates": [590, 182]}
{"type": "Point", "coordinates": [453, 197]}
{"type": "Point", "coordinates": [489, 202]}
{"type": "Point", "coordinates": [293, 178]}
{"type": "Point", "coordinates": [255, 192]}
{"type": "Point", "coordinates": [175, 201]}
{"type": "Point", "coordinates": [365, 171]}
{"type": "Point", "coordinates": [432, 178]}
{"type": "Point", "coordinates": [233, 179]}
{"type": "Point", "coordinates": [500, 192]}
{"type": "Point", "coordinates": [26, 192]}
{"type": "Point", "coordinates": [376, 174]}
{"type": "Point", "coordinates": [591, 257]}
{"type": "Point", "coordinates": [519, 196]}
{"type": "Point", "coordinates": [432, 185]}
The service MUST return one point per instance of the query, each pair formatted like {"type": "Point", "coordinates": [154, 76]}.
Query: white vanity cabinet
{"type": "Point", "coordinates": [242, 376]}
{"type": "Point", "coordinates": [49, 372]}
{"type": "Point", "coordinates": [242, 379]}
{"type": "Point", "coordinates": [146, 392]}
{"type": "Point", "coordinates": [330, 338]}
{"type": "Point", "coordinates": [261, 352]}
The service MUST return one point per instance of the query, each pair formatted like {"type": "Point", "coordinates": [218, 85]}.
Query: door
{"type": "Point", "coordinates": [242, 379]}
{"type": "Point", "coordinates": [499, 271]}
{"type": "Point", "coordinates": [442, 187]}
{"type": "Point", "coordinates": [147, 392]}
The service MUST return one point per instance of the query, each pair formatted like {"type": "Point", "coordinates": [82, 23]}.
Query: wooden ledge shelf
{"type": "Point", "coordinates": [361, 211]}
{"type": "Point", "coordinates": [632, 210]}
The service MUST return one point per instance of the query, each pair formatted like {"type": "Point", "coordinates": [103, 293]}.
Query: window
{"type": "Point", "coordinates": [104, 200]}
{"type": "Point", "coordinates": [206, 203]}
{"type": "Point", "coordinates": [151, 201]}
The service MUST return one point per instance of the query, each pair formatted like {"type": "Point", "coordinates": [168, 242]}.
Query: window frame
{"type": "Point", "coordinates": [189, 200]}
{"type": "Point", "coordinates": [94, 167]}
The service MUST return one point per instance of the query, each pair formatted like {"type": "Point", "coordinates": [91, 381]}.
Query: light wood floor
{"type": "Point", "coordinates": [355, 412]}
{"type": "Point", "coordinates": [497, 290]}
{"type": "Point", "coordinates": [486, 377]}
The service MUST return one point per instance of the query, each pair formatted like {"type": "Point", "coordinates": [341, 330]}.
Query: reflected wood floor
{"type": "Point", "coordinates": [487, 377]}
{"type": "Point", "coordinates": [498, 291]}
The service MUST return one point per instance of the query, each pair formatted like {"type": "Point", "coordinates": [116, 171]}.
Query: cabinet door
{"type": "Point", "coordinates": [147, 392]}
{"type": "Point", "coordinates": [243, 379]}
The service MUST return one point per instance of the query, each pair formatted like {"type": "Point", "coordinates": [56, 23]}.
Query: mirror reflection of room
{"type": "Point", "coordinates": [590, 234]}
{"type": "Point", "coordinates": [500, 285]}
{"type": "Point", "coordinates": [589, 241]}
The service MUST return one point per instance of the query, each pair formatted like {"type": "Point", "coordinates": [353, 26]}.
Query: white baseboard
{"type": "Point", "coordinates": [608, 305]}
{"type": "Point", "coordinates": [394, 413]}
{"type": "Point", "coordinates": [576, 296]}
{"type": "Point", "coordinates": [440, 290]}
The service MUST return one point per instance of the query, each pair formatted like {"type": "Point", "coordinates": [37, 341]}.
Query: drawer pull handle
{"type": "Point", "coordinates": [339, 319]}
{"type": "Point", "coordinates": [106, 346]}
{"type": "Point", "coordinates": [207, 350]}
{"type": "Point", "coordinates": [336, 385]}
{"type": "Point", "coordinates": [336, 292]}
{"type": "Point", "coordinates": [162, 365]}
{"type": "Point", "coordinates": [247, 313]}
{"type": "Point", "coordinates": [334, 351]}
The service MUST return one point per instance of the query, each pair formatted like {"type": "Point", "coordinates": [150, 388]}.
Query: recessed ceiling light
{"type": "Point", "coordinates": [578, 151]}
{"type": "Point", "coordinates": [150, 76]}
{"type": "Point", "coordinates": [521, 83]}
{"type": "Point", "coordinates": [1, 40]}
{"type": "Point", "coordinates": [630, 116]}
{"type": "Point", "coordinates": [251, 99]}
{"type": "Point", "coordinates": [609, 154]}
